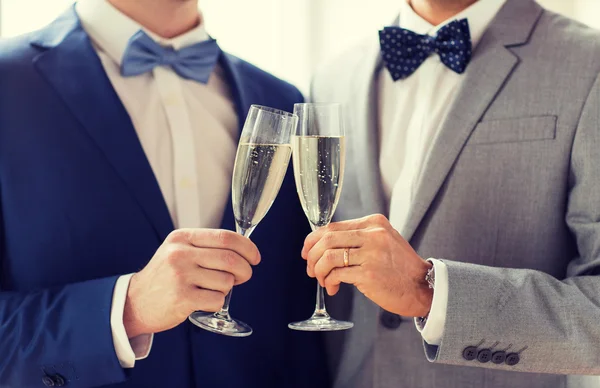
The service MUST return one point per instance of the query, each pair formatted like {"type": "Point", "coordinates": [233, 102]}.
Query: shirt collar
{"type": "Point", "coordinates": [111, 30]}
{"type": "Point", "coordinates": [480, 15]}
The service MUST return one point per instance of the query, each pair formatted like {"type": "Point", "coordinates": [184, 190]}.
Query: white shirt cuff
{"type": "Point", "coordinates": [128, 350]}
{"type": "Point", "coordinates": [433, 331]}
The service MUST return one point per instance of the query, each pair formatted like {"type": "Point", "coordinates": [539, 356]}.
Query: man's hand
{"type": "Point", "coordinates": [382, 265]}
{"type": "Point", "coordinates": [193, 270]}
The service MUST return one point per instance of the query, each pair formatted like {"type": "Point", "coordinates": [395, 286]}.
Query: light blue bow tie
{"type": "Point", "coordinates": [195, 62]}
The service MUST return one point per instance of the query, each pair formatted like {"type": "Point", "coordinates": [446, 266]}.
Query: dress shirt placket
{"type": "Point", "coordinates": [185, 174]}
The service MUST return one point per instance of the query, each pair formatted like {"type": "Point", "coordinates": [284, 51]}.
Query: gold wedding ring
{"type": "Point", "coordinates": [346, 257]}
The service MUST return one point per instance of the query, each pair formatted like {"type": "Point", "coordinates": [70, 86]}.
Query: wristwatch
{"type": "Point", "coordinates": [430, 279]}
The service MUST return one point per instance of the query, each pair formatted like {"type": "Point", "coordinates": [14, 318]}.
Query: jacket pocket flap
{"type": "Point", "coordinates": [514, 130]}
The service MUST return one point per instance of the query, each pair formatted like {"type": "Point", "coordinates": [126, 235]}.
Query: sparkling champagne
{"type": "Point", "coordinates": [319, 173]}
{"type": "Point", "coordinates": [257, 177]}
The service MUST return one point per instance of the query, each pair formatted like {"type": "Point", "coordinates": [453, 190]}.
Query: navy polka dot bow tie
{"type": "Point", "coordinates": [404, 51]}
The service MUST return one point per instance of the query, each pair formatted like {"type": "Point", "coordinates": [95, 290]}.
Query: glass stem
{"type": "Point", "coordinates": [320, 309]}
{"type": "Point", "coordinates": [224, 313]}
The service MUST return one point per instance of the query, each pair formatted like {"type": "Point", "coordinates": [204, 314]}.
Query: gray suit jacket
{"type": "Point", "coordinates": [509, 197]}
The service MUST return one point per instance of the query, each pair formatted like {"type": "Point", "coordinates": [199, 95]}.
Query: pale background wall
{"type": "Point", "coordinates": [287, 37]}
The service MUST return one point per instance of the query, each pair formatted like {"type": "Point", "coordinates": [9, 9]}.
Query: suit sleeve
{"type": "Point", "coordinates": [64, 331]}
{"type": "Point", "coordinates": [550, 324]}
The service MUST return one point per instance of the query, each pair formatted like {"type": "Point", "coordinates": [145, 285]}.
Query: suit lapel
{"type": "Point", "coordinates": [362, 175]}
{"type": "Point", "coordinates": [70, 64]}
{"type": "Point", "coordinates": [364, 135]}
{"type": "Point", "coordinates": [491, 66]}
{"type": "Point", "coordinates": [242, 95]}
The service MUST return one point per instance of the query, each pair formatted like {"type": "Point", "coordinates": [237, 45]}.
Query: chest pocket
{"type": "Point", "coordinates": [514, 130]}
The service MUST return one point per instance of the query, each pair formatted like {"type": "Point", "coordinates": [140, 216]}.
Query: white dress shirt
{"type": "Point", "coordinates": [188, 131]}
{"type": "Point", "coordinates": [411, 111]}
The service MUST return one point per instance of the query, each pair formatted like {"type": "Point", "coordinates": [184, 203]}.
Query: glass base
{"type": "Point", "coordinates": [320, 322]}
{"type": "Point", "coordinates": [220, 324]}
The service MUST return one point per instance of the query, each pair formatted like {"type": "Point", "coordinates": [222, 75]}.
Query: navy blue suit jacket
{"type": "Point", "coordinates": [79, 206]}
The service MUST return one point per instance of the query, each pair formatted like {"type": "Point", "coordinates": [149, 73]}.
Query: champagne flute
{"type": "Point", "coordinates": [319, 155]}
{"type": "Point", "coordinates": [261, 162]}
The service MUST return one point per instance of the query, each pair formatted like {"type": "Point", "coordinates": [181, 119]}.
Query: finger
{"type": "Point", "coordinates": [206, 300]}
{"type": "Point", "coordinates": [313, 238]}
{"type": "Point", "coordinates": [348, 275]}
{"type": "Point", "coordinates": [357, 224]}
{"type": "Point", "coordinates": [334, 240]}
{"type": "Point", "coordinates": [219, 239]}
{"type": "Point", "coordinates": [333, 290]}
{"type": "Point", "coordinates": [334, 258]}
{"type": "Point", "coordinates": [223, 260]}
{"type": "Point", "coordinates": [209, 279]}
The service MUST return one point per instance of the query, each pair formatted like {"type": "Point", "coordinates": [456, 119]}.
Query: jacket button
{"type": "Point", "coordinates": [470, 353]}
{"type": "Point", "coordinates": [512, 359]}
{"type": "Point", "coordinates": [499, 357]}
{"type": "Point", "coordinates": [391, 321]}
{"type": "Point", "coordinates": [59, 381]}
{"type": "Point", "coordinates": [484, 356]}
{"type": "Point", "coordinates": [48, 381]}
